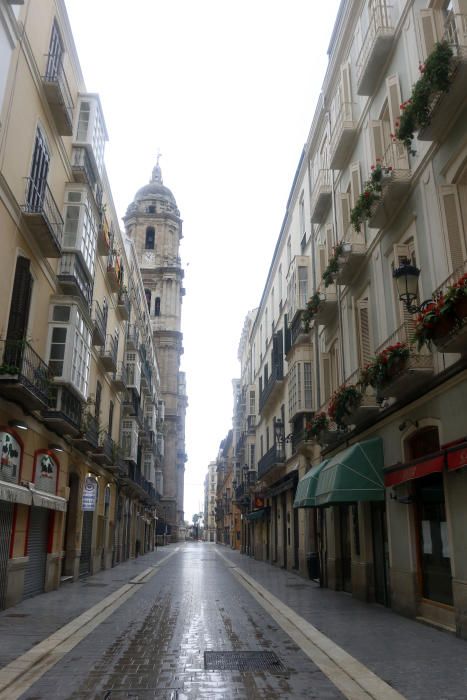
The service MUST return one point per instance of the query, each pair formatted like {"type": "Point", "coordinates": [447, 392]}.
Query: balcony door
{"type": "Point", "coordinates": [39, 172]}
{"type": "Point", "coordinates": [55, 57]}
{"type": "Point", "coordinates": [20, 301]}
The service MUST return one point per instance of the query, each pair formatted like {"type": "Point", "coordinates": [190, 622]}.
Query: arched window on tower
{"type": "Point", "coordinates": [150, 238]}
{"type": "Point", "coordinates": [148, 298]}
{"type": "Point", "coordinates": [157, 307]}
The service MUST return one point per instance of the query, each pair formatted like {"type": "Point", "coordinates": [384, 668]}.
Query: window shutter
{"type": "Point", "coordinates": [394, 101]}
{"type": "Point", "coordinates": [346, 92]}
{"type": "Point", "coordinates": [20, 301]}
{"type": "Point", "coordinates": [322, 260]}
{"type": "Point", "coordinates": [428, 31]}
{"type": "Point", "coordinates": [356, 182]}
{"type": "Point", "coordinates": [326, 374]}
{"type": "Point", "coordinates": [452, 223]}
{"type": "Point", "coordinates": [345, 215]}
{"type": "Point", "coordinates": [363, 329]}
{"type": "Point", "coordinates": [377, 141]}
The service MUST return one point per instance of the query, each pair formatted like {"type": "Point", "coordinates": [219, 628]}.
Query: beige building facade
{"type": "Point", "coordinates": [81, 427]}
{"type": "Point", "coordinates": [360, 436]}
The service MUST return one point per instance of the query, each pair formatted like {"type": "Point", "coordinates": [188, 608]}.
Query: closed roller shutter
{"type": "Point", "coordinates": [34, 577]}
{"type": "Point", "coordinates": [86, 542]}
{"type": "Point", "coordinates": [6, 523]}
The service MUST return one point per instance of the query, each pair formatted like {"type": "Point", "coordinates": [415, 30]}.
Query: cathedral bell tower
{"type": "Point", "coordinates": [153, 222]}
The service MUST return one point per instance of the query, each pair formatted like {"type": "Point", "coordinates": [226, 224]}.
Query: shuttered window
{"type": "Point", "coordinates": [452, 224]}
{"type": "Point", "coordinates": [394, 101]}
{"type": "Point", "coordinates": [377, 141]}
{"type": "Point", "coordinates": [428, 31]}
{"type": "Point", "coordinates": [356, 182]}
{"type": "Point", "coordinates": [363, 332]}
{"type": "Point", "coordinates": [20, 301]}
{"type": "Point", "coordinates": [326, 375]}
{"type": "Point", "coordinates": [39, 172]}
{"type": "Point", "coordinates": [344, 199]}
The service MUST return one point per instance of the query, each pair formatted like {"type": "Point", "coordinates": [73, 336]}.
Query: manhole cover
{"type": "Point", "coordinates": [243, 661]}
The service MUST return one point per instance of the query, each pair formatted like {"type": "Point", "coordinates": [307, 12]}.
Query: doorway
{"type": "Point", "coordinates": [380, 553]}
{"type": "Point", "coordinates": [345, 548]}
{"type": "Point", "coordinates": [38, 533]}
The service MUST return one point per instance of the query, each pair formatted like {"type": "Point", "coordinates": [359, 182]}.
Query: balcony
{"type": "Point", "coordinates": [103, 237]}
{"type": "Point", "coordinates": [99, 324]}
{"type": "Point", "coordinates": [298, 334]}
{"type": "Point", "coordinates": [350, 262]}
{"type": "Point", "coordinates": [81, 167]}
{"type": "Point", "coordinates": [132, 337]}
{"type": "Point", "coordinates": [298, 285]}
{"type": "Point", "coordinates": [132, 407]}
{"type": "Point", "coordinates": [108, 354]}
{"type": "Point", "coordinates": [409, 375]}
{"type": "Point", "coordinates": [64, 412]}
{"type": "Point", "coordinates": [88, 439]}
{"type": "Point", "coordinates": [119, 378]}
{"type": "Point", "coordinates": [342, 137]}
{"type": "Point", "coordinates": [251, 423]}
{"type": "Point", "coordinates": [273, 457]}
{"type": "Point", "coordinates": [114, 271]}
{"type": "Point", "coordinates": [321, 197]}
{"type": "Point", "coordinates": [43, 218]}
{"type": "Point", "coordinates": [24, 376]}
{"type": "Point", "coordinates": [273, 386]}
{"type": "Point", "coordinates": [445, 106]}
{"type": "Point", "coordinates": [451, 333]}
{"type": "Point", "coordinates": [73, 278]}
{"type": "Point", "coordinates": [375, 48]}
{"type": "Point", "coordinates": [327, 308]}
{"type": "Point", "coordinates": [105, 452]}
{"type": "Point", "coordinates": [363, 410]}
{"type": "Point", "coordinates": [395, 185]}
{"type": "Point", "coordinates": [123, 305]}
{"type": "Point", "coordinates": [58, 95]}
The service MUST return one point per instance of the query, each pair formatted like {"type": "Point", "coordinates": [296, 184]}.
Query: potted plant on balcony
{"type": "Point", "coordinates": [310, 310]}
{"type": "Point", "coordinates": [333, 265]}
{"type": "Point", "coordinates": [370, 194]}
{"type": "Point", "coordinates": [386, 365]}
{"type": "Point", "coordinates": [315, 427]}
{"type": "Point", "coordinates": [443, 315]}
{"type": "Point", "coordinates": [436, 77]}
{"type": "Point", "coordinates": [343, 402]}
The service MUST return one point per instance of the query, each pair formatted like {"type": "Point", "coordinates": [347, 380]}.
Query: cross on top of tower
{"type": "Point", "coordinates": [156, 172]}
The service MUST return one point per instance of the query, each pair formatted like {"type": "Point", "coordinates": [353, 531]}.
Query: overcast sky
{"type": "Point", "coordinates": [227, 90]}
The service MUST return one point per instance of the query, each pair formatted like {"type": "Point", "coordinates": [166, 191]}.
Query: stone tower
{"type": "Point", "coordinates": [153, 222]}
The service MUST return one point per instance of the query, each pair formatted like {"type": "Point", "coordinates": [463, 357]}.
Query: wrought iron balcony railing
{"type": "Point", "coordinates": [24, 376]}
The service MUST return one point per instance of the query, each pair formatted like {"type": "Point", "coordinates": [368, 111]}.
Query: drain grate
{"type": "Point", "coordinates": [243, 661]}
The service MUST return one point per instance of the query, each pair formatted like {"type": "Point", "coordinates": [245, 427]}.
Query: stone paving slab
{"type": "Point", "coordinates": [421, 662]}
{"type": "Point", "coordinates": [33, 620]}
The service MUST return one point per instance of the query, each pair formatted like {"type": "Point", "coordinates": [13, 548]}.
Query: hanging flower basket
{"type": "Point", "coordinates": [310, 310]}
{"type": "Point", "coordinates": [442, 317]}
{"type": "Point", "coordinates": [370, 196]}
{"type": "Point", "coordinates": [385, 366]}
{"type": "Point", "coordinates": [343, 403]}
{"type": "Point", "coordinates": [318, 423]}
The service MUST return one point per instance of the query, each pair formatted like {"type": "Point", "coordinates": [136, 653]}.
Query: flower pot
{"type": "Point", "coordinates": [460, 307]}
{"type": "Point", "coordinates": [442, 328]}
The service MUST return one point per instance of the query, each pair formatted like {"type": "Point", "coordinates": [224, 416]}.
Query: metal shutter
{"type": "Point", "coordinates": [6, 523]}
{"type": "Point", "coordinates": [34, 577]}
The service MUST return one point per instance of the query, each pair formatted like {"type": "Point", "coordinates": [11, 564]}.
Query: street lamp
{"type": "Point", "coordinates": [406, 277]}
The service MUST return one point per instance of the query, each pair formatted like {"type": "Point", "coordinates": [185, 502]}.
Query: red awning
{"type": "Point", "coordinates": [430, 464]}
{"type": "Point", "coordinates": [456, 457]}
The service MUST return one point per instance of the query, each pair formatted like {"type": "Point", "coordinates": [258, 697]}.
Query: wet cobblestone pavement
{"type": "Point", "coordinates": [152, 644]}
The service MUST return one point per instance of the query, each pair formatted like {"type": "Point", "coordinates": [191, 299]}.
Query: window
{"type": "Point", "coordinates": [81, 354]}
{"type": "Point", "coordinates": [289, 251]}
{"type": "Point", "coordinates": [39, 172]}
{"type": "Point", "coordinates": [83, 121]}
{"type": "Point", "coordinates": [69, 347]}
{"type": "Point", "coordinates": [97, 407]}
{"type": "Point", "coordinates": [80, 230]}
{"type": "Point", "coordinates": [148, 298]}
{"type": "Point", "coordinates": [55, 57]}
{"type": "Point", "coordinates": [57, 351]}
{"type": "Point", "coordinates": [20, 301]}
{"type": "Point", "coordinates": [111, 418]}
{"type": "Point", "coordinates": [152, 209]}
{"type": "Point", "coordinates": [150, 238]}
{"type": "Point", "coordinates": [157, 307]}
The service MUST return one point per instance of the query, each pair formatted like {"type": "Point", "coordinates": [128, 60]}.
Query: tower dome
{"type": "Point", "coordinates": [155, 188]}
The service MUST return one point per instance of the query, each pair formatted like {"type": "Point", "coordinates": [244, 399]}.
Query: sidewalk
{"type": "Point", "coordinates": [421, 662]}
{"type": "Point", "coordinates": [33, 620]}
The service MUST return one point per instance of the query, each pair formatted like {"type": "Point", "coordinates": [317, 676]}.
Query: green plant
{"type": "Point", "coordinates": [370, 194]}
{"type": "Point", "coordinates": [444, 311]}
{"type": "Point", "coordinates": [333, 265]}
{"type": "Point", "coordinates": [342, 402]}
{"type": "Point", "coordinates": [318, 423]}
{"type": "Point", "coordinates": [310, 310]}
{"type": "Point", "coordinates": [436, 76]}
{"type": "Point", "coordinates": [386, 363]}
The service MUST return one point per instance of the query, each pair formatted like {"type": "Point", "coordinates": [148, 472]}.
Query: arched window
{"type": "Point", "coordinates": [157, 307]}
{"type": "Point", "coordinates": [150, 238]}
{"type": "Point", "coordinates": [148, 297]}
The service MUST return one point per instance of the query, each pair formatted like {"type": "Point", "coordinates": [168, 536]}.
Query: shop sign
{"type": "Point", "coordinates": [46, 470]}
{"type": "Point", "coordinates": [90, 493]}
{"type": "Point", "coordinates": [10, 458]}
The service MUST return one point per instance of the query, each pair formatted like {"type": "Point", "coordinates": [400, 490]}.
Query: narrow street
{"type": "Point", "coordinates": [141, 630]}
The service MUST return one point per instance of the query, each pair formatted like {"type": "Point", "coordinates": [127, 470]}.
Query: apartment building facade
{"type": "Point", "coordinates": [81, 410]}
{"type": "Point", "coordinates": [210, 493]}
{"type": "Point", "coordinates": [360, 435]}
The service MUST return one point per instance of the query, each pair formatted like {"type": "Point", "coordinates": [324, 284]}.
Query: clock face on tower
{"type": "Point", "coordinates": [148, 257]}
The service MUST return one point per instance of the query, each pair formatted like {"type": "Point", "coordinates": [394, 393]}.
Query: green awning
{"type": "Point", "coordinates": [355, 474]}
{"type": "Point", "coordinates": [258, 514]}
{"type": "Point", "coordinates": [306, 489]}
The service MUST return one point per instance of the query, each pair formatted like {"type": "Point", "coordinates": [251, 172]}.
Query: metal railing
{"type": "Point", "coordinates": [110, 348]}
{"type": "Point", "coordinates": [90, 429]}
{"type": "Point", "coordinates": [72, 269]}
{"type": "Point", "coordinates": [322, 180]}
{"type": "Point", "coordinates": [124, 300]}
{"type": "Point", "coordinates": [132, 334]}
{"type": "Point", "coordinates": [121, 374]}
{"type": "Point", "coordinates": [55, 74]}
{"type": "Point", "coordinates": [99, 317]}
{"type": "Point", "coordinates": [455, 33]}
{"type": "Point", "coordinates": [277, 374]}
{"type": "Point", "coordinates": [63, 400]}
{"type": "Point", "coordinates": [402, 334]}
{"type": "Point", "coordinates": [20, 360]}
{"type": "Point", "coordinates": [380, 23]}
{"type": "Point", "coordinates": [344, 114]}
{"type": "Point", "coordinates": [80, 161]}
{"type": "Point", "coordinates": [39, 200]}
{"type": "Point", "coordinates": [273, 456]}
